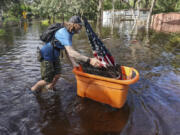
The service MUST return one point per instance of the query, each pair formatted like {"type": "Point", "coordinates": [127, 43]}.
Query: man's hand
{"type": "Point", "coordinates": [95, 62]}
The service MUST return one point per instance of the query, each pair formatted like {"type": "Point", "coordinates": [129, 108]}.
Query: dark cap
{"type": "Point", "coordinates": [75, 19]}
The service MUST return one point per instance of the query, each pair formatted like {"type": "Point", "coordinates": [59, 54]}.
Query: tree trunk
{"type": "Point", "coordinates": [63, 18]}
{"type": "Point", "coordinates": [100, 11]}
{"type": "Point", "coordinates": [1, 15]}
{"type": "Point", "coordinates": [149, 16]}
{"type": "Point", "coordinates": [82, 12]}
{"type": "Point", "coordinates": [134, 5]}
{"type": "Point", "coordinates": [99, 14]}
{"type": "Point", "coordinates": [2, 12]}
{"type": "Point", "coordinates": [113, 3]}
{"type": "Point", "coordinates": [138, 7]}
{"type": "Point", "coordinates": [53, 18]}
{"type": "Point", "coordinates": [147, 3]}
{"type": "Point", "coordinates": [49, 19]}
{"type": "Point", "coordinates": [112, 26]}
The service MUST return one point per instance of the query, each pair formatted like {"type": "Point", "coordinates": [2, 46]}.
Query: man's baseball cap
{"type": "Point", "coordinates": [75, 19]}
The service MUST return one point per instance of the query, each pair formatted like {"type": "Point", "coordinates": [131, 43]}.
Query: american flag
{"type": "Point", "coordinates": [99, 49]}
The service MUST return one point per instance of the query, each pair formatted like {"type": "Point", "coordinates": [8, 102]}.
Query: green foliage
{"type": "Point", "coordinates": [119, 5]}
{"type": "Point", "coordinates": [65, 8]}
{"type": "Point", "coordinates": [159, 37]}
{"type": "Point", "coordinates": [173, 42]}
{"type": "Point", "coordinates": [11, 20]}
{"type": "Point", "coordinates": [16, 10]}
{"type": "Point", "coordinates": [166, 6]}
{"type": "Point", "coordinates": [177, 7]}
{"type": "Point", "coordinates": [160, 5]}
{"type": "Point", "coordinates": [83, 7]}
{"type": "Point", "coordinates": [6, 4]}
{"type": "Point", "coordinates": [169, 41]}
{"type": "Point", "coordinates": [107, 4]}
{"type": "Point", "coordinates": [22, 7]}
{"type": "Point", "coordinates": [13, 8]}
{"type": "Point", "coordinates": [2, 32]}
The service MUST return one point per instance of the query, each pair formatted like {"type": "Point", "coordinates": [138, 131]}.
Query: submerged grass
{"type": "Point", "coordinates": [2, 32]}
{"type": "Point", "coordinates": [45, 22]}
{"type": "Point", "coordinates": [11, 21]}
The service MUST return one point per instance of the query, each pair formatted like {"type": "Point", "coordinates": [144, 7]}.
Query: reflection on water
{"type": "Point", "coordinates": [153, 104]}
{"type": "Point", "coordinates": [106, 120]}
{"type": "Point", "coordinates": [25, 26]}
{"type": "Point", "coordinates": [53, 119]}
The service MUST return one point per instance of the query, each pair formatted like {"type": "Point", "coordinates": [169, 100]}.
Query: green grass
{"type": "Point", "coordinates": [45, 22]}
{"type": "Point", "coordinates": [2, 32]}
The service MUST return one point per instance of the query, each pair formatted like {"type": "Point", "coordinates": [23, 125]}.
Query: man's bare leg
{"type": "Point", "coordinates": [53, 83]}
{"type": "Point", "coordinates": [40, 84]}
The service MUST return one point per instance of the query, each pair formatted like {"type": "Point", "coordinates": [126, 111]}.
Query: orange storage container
{"type": "Point", "coordinates": [103, 89]}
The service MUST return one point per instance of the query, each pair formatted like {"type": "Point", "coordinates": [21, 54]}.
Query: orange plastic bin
{"type": "Point", "coordinates": [103, 89]}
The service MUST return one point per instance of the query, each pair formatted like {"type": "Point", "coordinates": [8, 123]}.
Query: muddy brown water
{"type": "Point", "coordinates": [153, 103]}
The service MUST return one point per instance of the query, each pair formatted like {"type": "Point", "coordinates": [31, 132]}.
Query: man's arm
{"type": "Point", "coordinates": [72, 60]}
{"type": "Point", "coordinates": [74, 54]}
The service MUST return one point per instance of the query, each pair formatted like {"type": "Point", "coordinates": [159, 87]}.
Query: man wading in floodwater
{"type": "Point", "coordinates": [50, 64]}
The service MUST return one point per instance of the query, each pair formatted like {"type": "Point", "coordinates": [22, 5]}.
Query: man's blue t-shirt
{"type": "Point", "coordinates": [64, 37]}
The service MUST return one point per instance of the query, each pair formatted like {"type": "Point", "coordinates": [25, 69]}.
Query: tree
{"type": "Point", "coordinates": [65, 8]}
{"type": "Point", "coordinates": [149, 16]}
{"type": "Point", "coordinates": [7, 4]}
{"type": "Point", "coordinates": [50, 9]}
{"type": "Point", "coordinates": [99, 13]}
{"type": "Point", "coordinates": [83, 7]}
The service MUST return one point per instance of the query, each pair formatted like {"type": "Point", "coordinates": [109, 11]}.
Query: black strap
{"type": "Point", "coordinates": [53, 43]}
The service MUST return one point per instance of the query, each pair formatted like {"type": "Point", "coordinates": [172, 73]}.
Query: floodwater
{"type": "Point", "coordinates": [153, 103]}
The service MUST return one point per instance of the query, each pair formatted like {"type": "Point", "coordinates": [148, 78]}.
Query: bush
{"type": "Point", "coordinates": [11, 20]}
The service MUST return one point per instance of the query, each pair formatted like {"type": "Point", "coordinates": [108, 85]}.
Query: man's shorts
{"type": "Point", "coordinates": [50, 69]}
